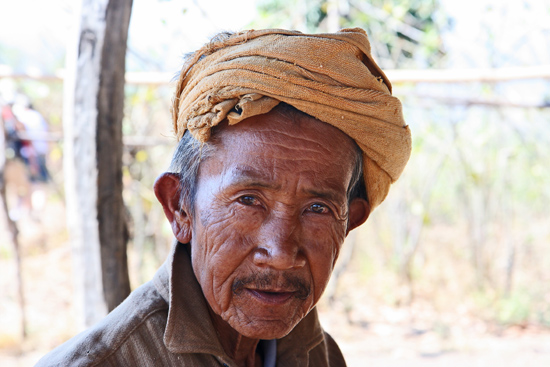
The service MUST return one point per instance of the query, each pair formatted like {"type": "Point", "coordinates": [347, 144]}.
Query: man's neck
{"type": "Point", "coordinates": [243, 350]}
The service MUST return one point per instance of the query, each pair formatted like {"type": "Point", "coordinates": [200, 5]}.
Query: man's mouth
{"type": "Point", "coordinates": [271, 297]}
{"type": "Point", "coordinates": [271, 289]}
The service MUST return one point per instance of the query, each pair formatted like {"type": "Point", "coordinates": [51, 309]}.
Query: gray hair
{"type": "Point", "coordinates": [189, 153]}
{"type": "Point", "coordinates": [185, 163]}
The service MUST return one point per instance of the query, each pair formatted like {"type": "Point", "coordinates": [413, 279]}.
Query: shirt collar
{"type": "Point", "coordinates": [189, 328]}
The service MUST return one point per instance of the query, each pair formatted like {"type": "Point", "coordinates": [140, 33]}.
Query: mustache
{"type": "Point", "coordinates": [260, 281]}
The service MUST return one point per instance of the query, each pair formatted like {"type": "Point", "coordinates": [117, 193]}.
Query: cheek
{"type": "Point", "coordinates": [322, 251]}
{"type": "Point", "coordinates": [220, 246]}
{"type": "Point", "coordinates": [325, 238]}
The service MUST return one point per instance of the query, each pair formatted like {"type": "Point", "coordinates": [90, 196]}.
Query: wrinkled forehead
{"type": "Point", "coordinates": [277, 146]}
{"type": "Point", "coordinates": [287, 131]}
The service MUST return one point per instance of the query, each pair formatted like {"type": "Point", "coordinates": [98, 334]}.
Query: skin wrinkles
{"type": "Point", "coordinates": [271, 213]}
{"type": "Point", "coordinates": [281, 139]}
{"type": "Point", "coordinates": [272, 156]}
{"type": "Point", "coordinates": [248, 177]}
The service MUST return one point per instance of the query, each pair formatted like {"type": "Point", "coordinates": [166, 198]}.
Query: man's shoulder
{"type": "Point", "coordinates": [327, 353]}
{"type": "Point", "coordinates": [309, 345]}
{"type": "Point", "coordinates": [139, 320]}
{"type": "Point", "coordinates": [336, 357]}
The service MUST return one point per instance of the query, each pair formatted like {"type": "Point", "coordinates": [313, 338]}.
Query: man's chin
{"type": "Point", "coordinates": [266, 330]}
{"type": "Point", "coordinates": [265, 315]}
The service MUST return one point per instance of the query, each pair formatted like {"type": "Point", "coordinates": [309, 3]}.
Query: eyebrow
{"type": "Point", "coordinates": [249, 177]}
{"type": "Point", "coordinates": [328, 194]}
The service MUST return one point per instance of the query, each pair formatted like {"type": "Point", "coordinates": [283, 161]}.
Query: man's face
{"type": "Point", "coordinates": [271, 213]}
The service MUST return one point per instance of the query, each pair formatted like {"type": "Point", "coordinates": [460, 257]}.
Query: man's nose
{"type": "Point", "coordinates": [279, 246]}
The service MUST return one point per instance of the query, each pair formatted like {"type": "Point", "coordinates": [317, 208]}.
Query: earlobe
{"type": "Point", "coordinates": [359, 211]}
{"type": "Point", "coordinates": [168, 192]}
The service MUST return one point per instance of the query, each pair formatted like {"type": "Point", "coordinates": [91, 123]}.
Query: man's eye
{"type": "Point", "coordinates": [248, 200]}
{"type": "Point", "coordinates": [319, 208]}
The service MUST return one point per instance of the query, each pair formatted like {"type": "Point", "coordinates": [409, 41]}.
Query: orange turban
{"type": "Point", "coordinates": [331, 77]}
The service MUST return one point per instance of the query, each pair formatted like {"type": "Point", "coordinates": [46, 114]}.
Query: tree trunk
{"type": "Point", "coordinates": [94, 97]}
{"type": "Point", "coordinates": [113, 234]}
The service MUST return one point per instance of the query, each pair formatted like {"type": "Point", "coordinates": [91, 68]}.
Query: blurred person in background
{"type": "Point", "coordinates": [11, 126]}
{"type": "Point", "coordinates": [26, 149]}
{"type": "Point", "coordinates": [34, 148]}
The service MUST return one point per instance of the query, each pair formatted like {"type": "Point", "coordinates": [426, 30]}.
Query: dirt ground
{"type": "Point", "coordinates": [368, 334]}
{"type": "Point", "coordinates": [402, 344]}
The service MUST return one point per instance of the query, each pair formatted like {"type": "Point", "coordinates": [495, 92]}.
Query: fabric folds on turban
{"type": "Point", "coordinates": [331, 77]}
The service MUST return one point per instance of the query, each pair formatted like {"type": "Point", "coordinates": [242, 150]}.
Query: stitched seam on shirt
{"type": "Point", "coordinates": [123, 340]}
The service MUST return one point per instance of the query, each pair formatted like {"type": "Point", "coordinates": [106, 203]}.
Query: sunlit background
{"type": "Point", "coordinates": [453, 269]}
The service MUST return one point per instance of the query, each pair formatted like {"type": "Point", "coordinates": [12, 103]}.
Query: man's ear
{"type": "Point", "coordinates": [168, 192]}
{"type": "Point", "coordinates": [359, 211]}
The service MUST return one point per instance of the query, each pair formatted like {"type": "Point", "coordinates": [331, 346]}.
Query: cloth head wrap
{"type": "Point", "coordinates": [331, 77]}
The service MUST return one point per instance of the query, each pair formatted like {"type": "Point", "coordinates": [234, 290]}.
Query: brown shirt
{"type": "Point", "coordinates": [165, 322]}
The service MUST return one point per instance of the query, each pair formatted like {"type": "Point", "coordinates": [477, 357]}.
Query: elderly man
{"type": "Point", "coordinates": [287, 142]}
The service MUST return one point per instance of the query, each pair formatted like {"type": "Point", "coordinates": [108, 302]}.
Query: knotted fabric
{"type": "Point", "coordinates": [331, 77]}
